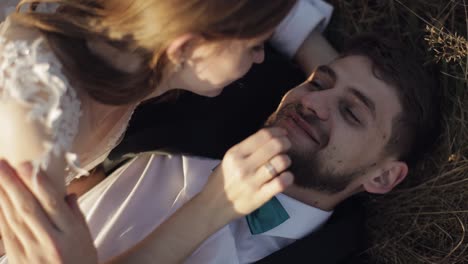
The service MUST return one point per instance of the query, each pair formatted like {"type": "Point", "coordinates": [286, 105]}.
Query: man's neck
{"type": "Point", "coordinates": [318, 199]}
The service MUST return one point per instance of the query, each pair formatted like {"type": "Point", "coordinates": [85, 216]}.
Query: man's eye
{"type": "Point", "coordinates": [316, 84]}
{"type": "Point", "coordinates": [351, 115]}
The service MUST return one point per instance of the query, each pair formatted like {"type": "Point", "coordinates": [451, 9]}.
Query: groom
{"type": "Point", "coordinates": [355, 126]}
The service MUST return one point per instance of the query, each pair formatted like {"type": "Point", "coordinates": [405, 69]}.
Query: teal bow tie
{"type": "Point", "coordinates": [267, 217]}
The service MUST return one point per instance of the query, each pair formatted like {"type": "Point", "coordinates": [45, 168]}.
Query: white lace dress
{"type": "Point", "coordinates": [31, 77]}
{"type": "Point", "coordinates": [44, 118]}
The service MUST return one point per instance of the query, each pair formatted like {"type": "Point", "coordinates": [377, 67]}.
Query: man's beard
{"type": "Point", "coordinates": [309, 171]}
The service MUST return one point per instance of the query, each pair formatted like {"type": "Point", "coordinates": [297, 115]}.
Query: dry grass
{"type": "Point", "coordinates": [426, 219]}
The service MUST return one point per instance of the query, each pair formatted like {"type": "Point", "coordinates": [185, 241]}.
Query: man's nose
{"type": "Point", "coordinates": [318, 104]}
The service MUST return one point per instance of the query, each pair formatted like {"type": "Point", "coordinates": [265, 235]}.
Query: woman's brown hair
{"type": "Point", "coordinates": [144, 27]}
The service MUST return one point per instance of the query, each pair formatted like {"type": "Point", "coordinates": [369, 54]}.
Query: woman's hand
{"type": "Point", "coordinates": [251, 173]}
{"type": "Point", "coordinates": [37, 224]}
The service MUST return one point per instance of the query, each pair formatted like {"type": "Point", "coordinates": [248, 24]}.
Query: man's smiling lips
{"type": "Point", "coordinates": [303, 125]}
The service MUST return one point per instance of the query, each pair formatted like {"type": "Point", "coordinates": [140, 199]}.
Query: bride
{"type": "Point", "coordinates": [73, 71]}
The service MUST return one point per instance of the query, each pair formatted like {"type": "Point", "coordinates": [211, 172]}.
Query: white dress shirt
{"type": "Point", "coordinates": [305, 16]}
{"type": "Point", "coordinates": [124, 208]}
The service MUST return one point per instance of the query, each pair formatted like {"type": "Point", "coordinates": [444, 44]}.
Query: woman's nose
{"type": "Point", "coordinates": [258, 56]}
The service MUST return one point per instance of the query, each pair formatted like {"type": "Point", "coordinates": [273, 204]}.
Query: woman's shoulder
{"type": "Point", "coordinates": [27, 43]}
{"type": "Point", "coordinates": [28, 64]}
{"type": "Point", "coordinates": [25, 48]}
{"type": "Point", "coordinates": [34, 88]}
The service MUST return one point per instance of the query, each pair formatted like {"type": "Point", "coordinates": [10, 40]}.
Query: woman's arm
{"type": "Point", "coordinates": [175, 239]}
{"type": "Point", "coordinates": [36, 127]}
{"type": "Point", "coordinates": [237, 187]}
{"type": "Point", "coordinates": [23, 139]}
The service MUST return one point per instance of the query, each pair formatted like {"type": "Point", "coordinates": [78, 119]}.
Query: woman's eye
{"type": "Point", "coordinates": [258, 48]}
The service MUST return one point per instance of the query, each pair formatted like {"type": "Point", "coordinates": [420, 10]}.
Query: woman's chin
{"type": "Point", "coordinates": [210, 93]}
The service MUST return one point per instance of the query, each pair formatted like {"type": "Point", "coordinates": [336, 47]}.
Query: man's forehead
{"type": "Point", "coordinates": [357, 72]}
{"type": "Point", "coordinates": [343, 65]}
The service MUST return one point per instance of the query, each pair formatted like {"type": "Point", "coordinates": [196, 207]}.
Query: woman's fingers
{"type": "Point", "coordinates": [26, 223]}
{"type": "Point", "coordinates": [272, 169]}
{"type": "Point", "coordinates": [270, 143]}
{"type": "Point", "coordinates": [9, 239]}
{"type": "Point", "coordinates": [51, 201]}
{"type": "Point", "coordinates": [270, 149]}
{"type": "Point", "coordinates": [275, 186]}
{"type": "Point", "coordinates": [21, 210]}
{"type": "Point", "coordinates": [257, 140]}
{"type": "Point", "coordinates": [269, 160]}
{"type": "Point", "coordinates": [252, 172]}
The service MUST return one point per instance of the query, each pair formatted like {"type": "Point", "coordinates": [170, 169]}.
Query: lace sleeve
{"type": "Point", "coordinates": [43, 108]}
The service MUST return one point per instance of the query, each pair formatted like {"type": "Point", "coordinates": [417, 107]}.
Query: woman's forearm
{"type": "Point", "coordinates": [180, 235]}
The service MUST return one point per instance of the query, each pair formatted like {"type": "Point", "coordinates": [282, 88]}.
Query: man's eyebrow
{"type": "Point", "coordinates": [327, 70]}
{"type": "Point", "coordinates": [365, 100]}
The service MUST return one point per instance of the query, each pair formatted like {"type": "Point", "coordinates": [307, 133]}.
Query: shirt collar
{"type": "Point", "coordinates": [303, 219]}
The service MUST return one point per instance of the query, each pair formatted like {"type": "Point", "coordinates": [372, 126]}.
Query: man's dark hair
{"type": "Point", "coordinates": [417, 127]}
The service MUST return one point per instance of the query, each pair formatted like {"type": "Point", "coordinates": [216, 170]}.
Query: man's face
{"type": "Point", "coordinates": [338, 122]}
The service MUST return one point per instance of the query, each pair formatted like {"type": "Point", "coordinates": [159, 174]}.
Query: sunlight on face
{"type": "Point", "coordinates": [338, 121]}
{"type": "Point", "coordinates": [214, 65]}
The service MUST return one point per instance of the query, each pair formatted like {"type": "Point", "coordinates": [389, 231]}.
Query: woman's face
{"type": "Point", "coordinates": [211, 66]}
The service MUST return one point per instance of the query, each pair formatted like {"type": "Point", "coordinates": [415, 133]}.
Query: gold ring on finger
{"type": "Point", "coordinates": [271, 169]}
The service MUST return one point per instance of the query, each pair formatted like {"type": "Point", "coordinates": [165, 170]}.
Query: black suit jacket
{"type": "Point", "coordinates": [340, 240]}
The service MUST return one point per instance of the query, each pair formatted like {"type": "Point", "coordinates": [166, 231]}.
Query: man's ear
{"type": "Point", "coordinates": [386, 179]}
{"type": "Point", "coordinates": [179, 47]}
